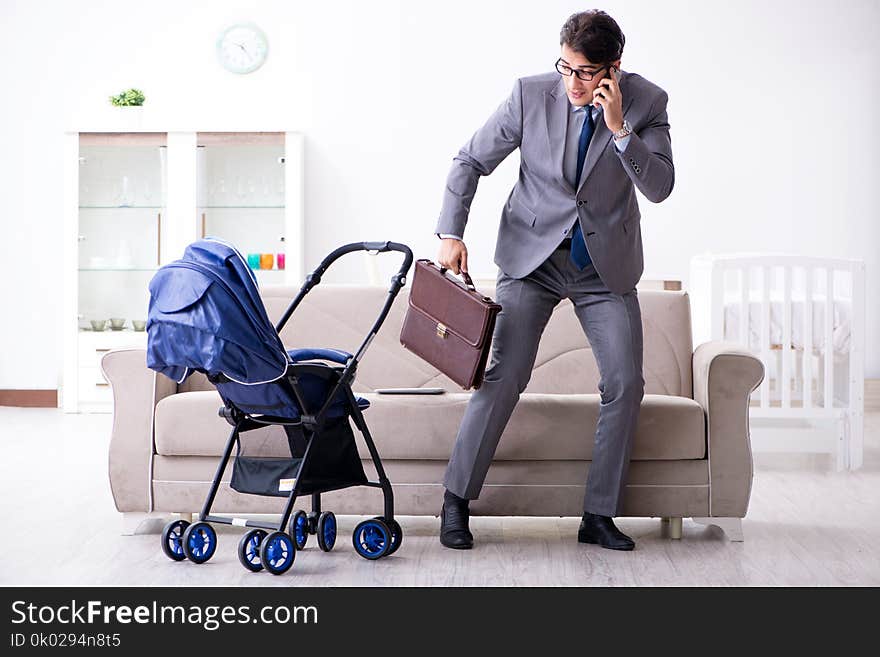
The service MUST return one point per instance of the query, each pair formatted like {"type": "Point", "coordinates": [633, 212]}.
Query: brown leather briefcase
{"type": "Point", "coordinates": [449, 324]}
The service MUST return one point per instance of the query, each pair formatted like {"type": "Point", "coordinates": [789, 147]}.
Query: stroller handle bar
{"type": "Point", "coordinates": [398, 280]}
{"type": "Point", "coordinates": [379, 247]}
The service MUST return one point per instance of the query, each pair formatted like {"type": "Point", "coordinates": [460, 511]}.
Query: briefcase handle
{"type": "Point", "coordinates": [467, 278]}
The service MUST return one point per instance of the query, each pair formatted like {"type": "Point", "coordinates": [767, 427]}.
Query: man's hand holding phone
{"type": "Point", "coordinates": [453, 255]}
{"type": "Point", "coordinates": [607, 94]}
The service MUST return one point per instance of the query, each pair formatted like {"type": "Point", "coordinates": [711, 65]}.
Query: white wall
{"type": "Point", "coordinates": [772, 108]}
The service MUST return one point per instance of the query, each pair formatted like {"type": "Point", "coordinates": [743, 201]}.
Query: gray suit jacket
{"type": "Point", "coordinates": [542, 205]}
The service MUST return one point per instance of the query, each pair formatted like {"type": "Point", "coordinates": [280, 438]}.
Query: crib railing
{"type": "Point", "coordinates": [759, 281]}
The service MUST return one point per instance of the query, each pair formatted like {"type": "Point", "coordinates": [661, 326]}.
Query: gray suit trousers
{"type": "Point", "coordinates": [612, 324]}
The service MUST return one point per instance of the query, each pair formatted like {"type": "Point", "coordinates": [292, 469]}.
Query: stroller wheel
{"type": "Point", "coordinates": [396, 534]}
{"type": "Point", "coordinates": [277, 552]}
{"type": "Point", "coordinates": [249, 550]}
{"type": "Point", "coordinates": [372, 539]}
{"type": "Point", "coordinates": [172, 539]}
{"type": "Point", "coordinates": [299, 528]}
{"type": "Point", "coordinates": [327, 531]}
{"type": "Point", "coordinates": [199, 542]}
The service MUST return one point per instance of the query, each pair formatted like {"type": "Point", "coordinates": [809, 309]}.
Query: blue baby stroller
{"type": "Point", "coordinates": [206, 316]}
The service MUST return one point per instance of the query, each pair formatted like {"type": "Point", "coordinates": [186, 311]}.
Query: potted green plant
{"type": "Point", "coordinates": [128, 98]}
{"type": "Point", "coordinates": [132, 116]}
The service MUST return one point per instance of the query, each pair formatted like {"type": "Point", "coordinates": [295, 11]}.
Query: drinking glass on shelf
{"type": "Point", "coordinates": [114, 194]}
{"type": "Point", "coordinates": [218, 193]}
{"type": "Point", "coordinates": [83, 182]}
{"type": "Point", "coordinates": [124, 194]}
{"type": "Point", "coordinates": [240, 189]}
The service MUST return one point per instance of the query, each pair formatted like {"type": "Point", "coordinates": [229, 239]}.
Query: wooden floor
{"type": "Point", "coordinates": [807, 525]}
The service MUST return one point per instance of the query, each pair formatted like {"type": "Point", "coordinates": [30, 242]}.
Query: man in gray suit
{"type": "Point", "coordinates": [589, 135]}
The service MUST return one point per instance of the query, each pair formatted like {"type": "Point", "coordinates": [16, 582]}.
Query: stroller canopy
{"type": "Point", "coordinates": [206, 314]}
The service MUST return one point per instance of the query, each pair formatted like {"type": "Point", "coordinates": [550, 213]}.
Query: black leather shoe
{"type": "Point", "coordinates": [601, 530]}
{"type": "Point", "coordinates": [454, 531]}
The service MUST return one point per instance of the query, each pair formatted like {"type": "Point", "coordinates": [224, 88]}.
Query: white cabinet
{"type": "Point", "coordinates": [135, 199]}
{"type": "Point", "coordinates": [93, 391]}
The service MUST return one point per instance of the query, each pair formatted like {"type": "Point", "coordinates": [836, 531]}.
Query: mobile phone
{"type": "Point", "coordinates": [606, 75]}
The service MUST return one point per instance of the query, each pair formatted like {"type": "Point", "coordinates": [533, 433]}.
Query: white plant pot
{"type": "Point", "coordinates": [132, 116]}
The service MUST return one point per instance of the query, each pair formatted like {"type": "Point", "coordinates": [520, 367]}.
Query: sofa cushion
{"type": "Point", "coordinates": [341, 316]}
{"type": "Point", "coordinates": [542, 427]}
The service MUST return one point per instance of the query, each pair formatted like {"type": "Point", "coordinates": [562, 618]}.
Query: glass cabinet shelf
{"type": "Point", "coordinates": [241, 207]}
{"type": "Point", "coordinates": [107, 331]}
{"type": "Point", "coordinates": [120, 207]}
{"type": "Point", "coordinates": [118, 269]}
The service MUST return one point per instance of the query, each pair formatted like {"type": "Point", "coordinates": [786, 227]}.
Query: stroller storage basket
{"type": "Point", "coordinates": [260, 475]}
{"type": "Point", "coordinates": [333, 463]}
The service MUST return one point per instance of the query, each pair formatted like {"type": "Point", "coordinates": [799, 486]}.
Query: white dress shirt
{"type": "Point", "coordinates": [573, 133]}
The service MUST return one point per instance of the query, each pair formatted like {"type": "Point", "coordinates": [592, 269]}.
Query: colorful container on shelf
{"type": "Point", "coordinates": [265, 260]}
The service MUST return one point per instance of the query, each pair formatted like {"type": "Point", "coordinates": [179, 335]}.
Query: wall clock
{"type": "Point", "coordinates": [242, 48]}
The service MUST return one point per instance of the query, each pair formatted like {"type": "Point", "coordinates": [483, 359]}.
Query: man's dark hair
{"type": "Point", "coordinates": [595, 35]}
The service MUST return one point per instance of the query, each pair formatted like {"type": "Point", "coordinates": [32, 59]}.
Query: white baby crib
{"type": "Point", "coordinates": [805, 318]}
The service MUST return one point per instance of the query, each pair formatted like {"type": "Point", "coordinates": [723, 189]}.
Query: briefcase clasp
{"type": "Point", "coordinates": [441, 329]}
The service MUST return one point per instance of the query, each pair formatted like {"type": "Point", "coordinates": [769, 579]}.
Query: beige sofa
{"type": "Point", "coordinates": [691, 457]}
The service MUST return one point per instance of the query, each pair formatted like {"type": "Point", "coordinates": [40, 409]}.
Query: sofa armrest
{"type": "Point", "coordinates": [725, 374]}
{"type": "Point", "coordinates": [136, 391]}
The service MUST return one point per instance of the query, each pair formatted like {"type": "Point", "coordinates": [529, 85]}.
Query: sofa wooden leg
{"type": "Point", "coordinates": [674, 528]}
{"type": "Point", "coordinates": [670, 527]}
{"type": "Point", "coordinates": [732, 527]}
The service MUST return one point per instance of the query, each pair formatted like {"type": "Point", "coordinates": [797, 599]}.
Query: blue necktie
{"type": "Point", "coordinates": [579, 255]}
